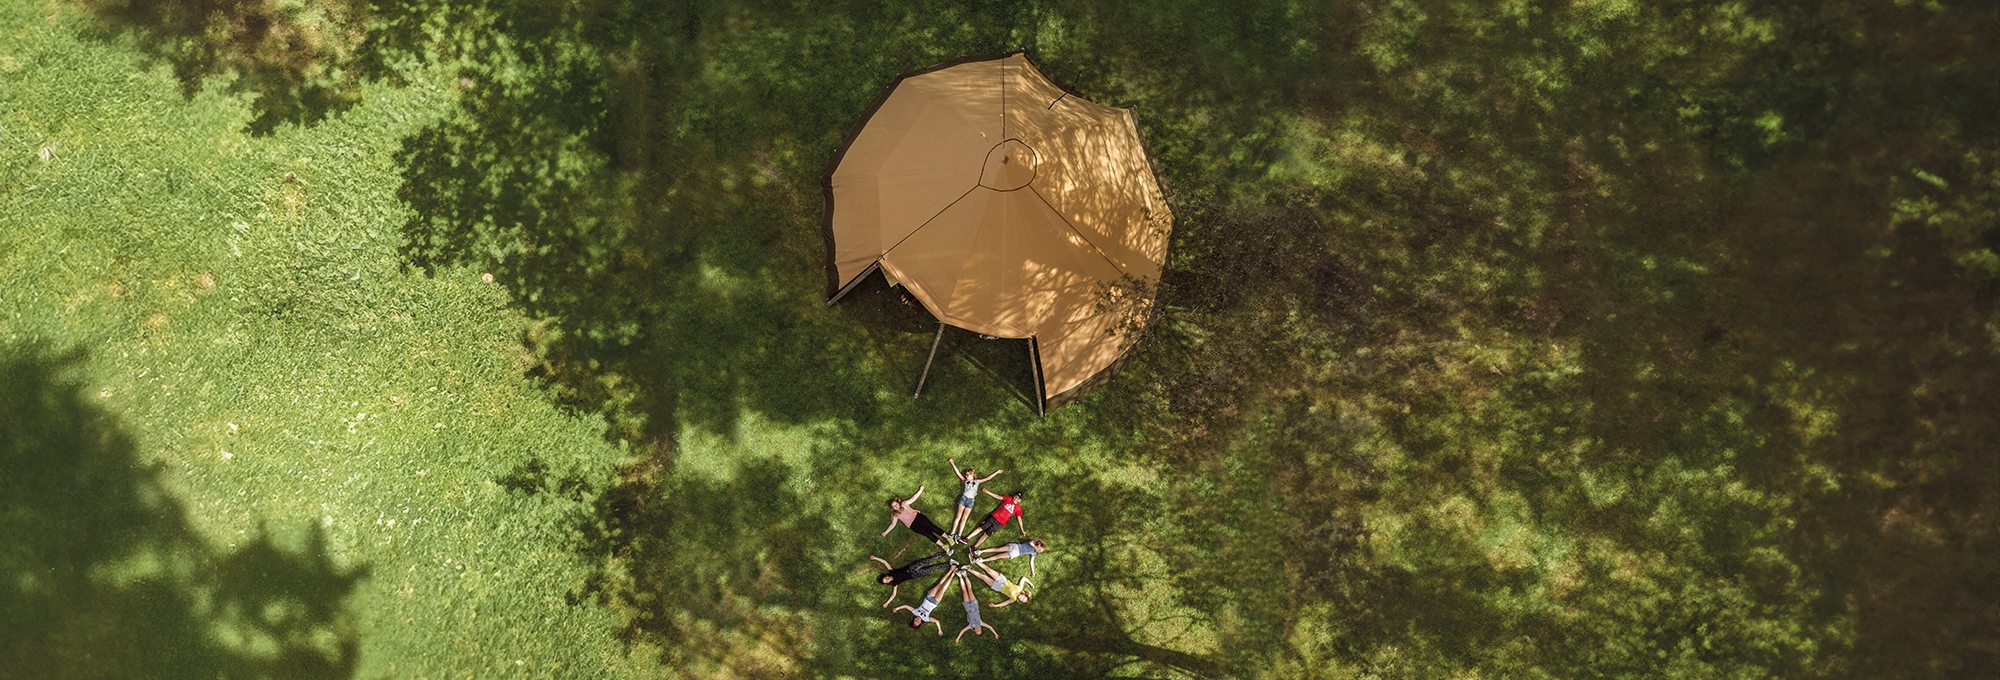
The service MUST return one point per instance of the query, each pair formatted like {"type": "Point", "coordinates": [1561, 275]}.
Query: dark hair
{"type": "Point", "coordinates": [1018, 494]}
{"type": "Point", "coordinates": [893, 500]}
{"type": "Point", "coordinates": [886, 578]}
{"type": "Point", "coordinates": [916, 621]}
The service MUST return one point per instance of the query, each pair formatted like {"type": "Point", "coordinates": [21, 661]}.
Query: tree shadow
{"type": "Point", "coordinates": [106, 579]}
{"type": "Point", "coordinates": [651, 196]}
{"type": "Point", "coordinates": [1650, 249]}
{"type": "Point", "coordinates": [300, 59]}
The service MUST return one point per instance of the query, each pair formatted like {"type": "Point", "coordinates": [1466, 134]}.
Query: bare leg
{"type": "Point", "coordinates": [944, 582]}
{"type": "Point", "coordinates": [989, 574]}
{"type": "Point", "coordinates": [982, 577]}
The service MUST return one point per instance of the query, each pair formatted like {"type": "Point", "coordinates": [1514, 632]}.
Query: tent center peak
{"type": "Point", "coordinates": [1010, 165]}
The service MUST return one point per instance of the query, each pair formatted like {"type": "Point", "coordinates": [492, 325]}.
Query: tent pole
{"type": "Point", "coordinates": [927, 362]}
{"type": "Point", "coordinates": [856, 283]}
{"type": "Point", "coordinates": [1035, 364]}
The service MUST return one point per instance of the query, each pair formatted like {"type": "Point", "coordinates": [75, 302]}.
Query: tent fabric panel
{"type": "Point", "coordinates": [934, 262]}
{"type": "Point", "coordinates": [1049, 268]}
{"type": "Point", "coordinates": [1081, 351]}
{"type": "Point", "coordinates": [1095, 173]}
{"type": "Point", "coordinates": [1027, 89]}
{"type": "Point", "coordinates": [1001, 263]}
{"type": "Point", "coordinates": [923, 147]}
{"type": "Point", "coordinates": [1029, 263]}
{"type": "Point", "coordinates": [1056, 400]}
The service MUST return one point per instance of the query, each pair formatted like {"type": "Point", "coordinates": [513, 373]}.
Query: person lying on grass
{"type": "Point", "coordinates": [1014, 592]}
{"type": "Point", "coordinates": [968, 495]}
{"type": "Point", "coordinates": [894, 577]}
{"type": "Point", "coordinates": [902, 511]}
{"type": "Point", "coordinates": [972, 622]}
{"type": "Point", "coordinates": [921, 614]}
{"type": "Point", "coordinates": [1030, 547]}
{"type": "Point", "coordinates": [1010, 508]}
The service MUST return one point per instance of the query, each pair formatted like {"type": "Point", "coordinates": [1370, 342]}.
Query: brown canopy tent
{"type": "Point", "coordinates": [1005, 204]}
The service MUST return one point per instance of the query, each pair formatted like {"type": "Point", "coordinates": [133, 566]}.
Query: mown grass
{"type": "Point", "coordinates": [259, 343]}
{"type": "Point", "coordinates": [1613, 339]}
{"type": "Point", "coordinates": [236, 305]}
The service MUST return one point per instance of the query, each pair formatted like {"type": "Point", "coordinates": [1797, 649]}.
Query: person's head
{"type": "Point", "coordinates": [1022, 597]}
{"type": "Point", "coordinates": [1040, 545]}
{"type": "Point", "coordinates": [1018, 494]}
{"type": "Point", "coordinates": [886, 579]}
{"type": "Point", "coordinates": [916, 622]}
{"type": "Point", "coordinates": [895, 504]}
{"type": "Point", "coordinates": [971, 474]}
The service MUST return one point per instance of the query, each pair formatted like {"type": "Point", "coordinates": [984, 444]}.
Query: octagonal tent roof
{"type": "Point", "coordinates": [1007, 205]}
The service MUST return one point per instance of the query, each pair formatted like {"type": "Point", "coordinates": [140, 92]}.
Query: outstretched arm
{"type": "Point", "coordinates": [996, 631]}
{"type": "Point", "coordinates": [1031, 567]}
{"type": "Point", "coordinates": [940, 627]}
{"type": "Point", "coordinates": [990, 477]}
{"type": "Point", "coordinates": [892, 527]}
{"type": "Point", "coordinates": [913, 497]}
{"type": "Point", "coordinates": [1022, 522]}
{"type": "Point", "coordinates": [1001, 603]}
{"type": "Point", "coordinates": [902, 607]}
{"type": "Point", "coordinates": [961, 634]}
{"type": "Point", "coordinates": [892, 595]}
{"type": "Point", "coordinates": [955, 472]}
{"type": "Point", "coordinates": [885, 563]}
{"type": "Point", "coordinates": [990, 493]}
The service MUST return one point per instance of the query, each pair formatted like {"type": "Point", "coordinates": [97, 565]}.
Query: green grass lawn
{"type": "Point", "coordinates": [282, 380]}
{"type": "Point", "coordinates": [237, 308]}
{"type": "Point", "coordinates": [470, 338]}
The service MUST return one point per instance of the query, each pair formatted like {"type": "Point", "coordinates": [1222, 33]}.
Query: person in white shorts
{"type": "Point", "coordinates": [921, 614]}
{"type": "Point", "coordinates": [1030, 547]}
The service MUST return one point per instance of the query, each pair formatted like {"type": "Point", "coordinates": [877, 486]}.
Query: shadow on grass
{"type": "Point", "coordinates": [1654, 254]}
{"type": "Point", "coordinates": [104, 578]}
{"type": "Point", "coordinates": [299, 58]}
{"type": "Point", "coordinates": [652, 197]}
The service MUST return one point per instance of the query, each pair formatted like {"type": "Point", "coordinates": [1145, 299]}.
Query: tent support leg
{"type": "Point", "coordinates": [1035, 364]}
{"type": "Point", "coordinates": [927, 362]}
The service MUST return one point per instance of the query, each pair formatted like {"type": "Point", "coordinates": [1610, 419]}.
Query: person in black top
{"type": "Point", "coordinates": [894, 577]}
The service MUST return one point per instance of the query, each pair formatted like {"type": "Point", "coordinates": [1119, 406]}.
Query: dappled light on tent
{"type": "Point", "coordinates": [1006, 205]}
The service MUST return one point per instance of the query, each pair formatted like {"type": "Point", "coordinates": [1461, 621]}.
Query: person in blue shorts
{"type": "Point", "coordinates": [969, 495]}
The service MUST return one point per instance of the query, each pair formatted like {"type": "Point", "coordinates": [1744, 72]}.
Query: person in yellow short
{"type": "Point", "coordinates": [1013, 591]}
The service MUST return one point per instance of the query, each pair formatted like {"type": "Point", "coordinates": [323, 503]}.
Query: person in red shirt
{"type": "Point", "coordinates": [1009, 510]}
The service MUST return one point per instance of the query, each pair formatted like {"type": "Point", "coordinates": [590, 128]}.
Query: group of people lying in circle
{"type": "Point", "coordinates": [904, 512]}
